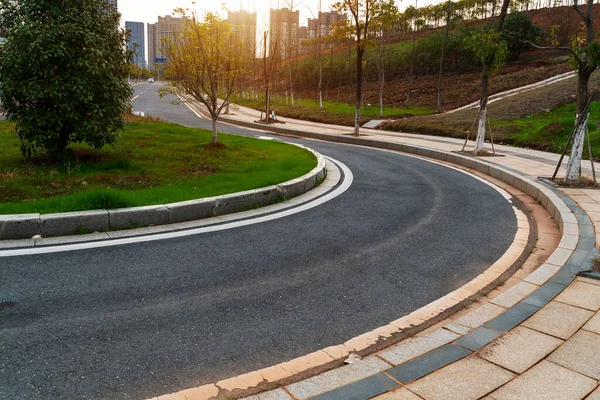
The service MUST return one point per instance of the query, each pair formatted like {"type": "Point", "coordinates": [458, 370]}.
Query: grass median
{"type": "Point", "coordinates": [151, 163]}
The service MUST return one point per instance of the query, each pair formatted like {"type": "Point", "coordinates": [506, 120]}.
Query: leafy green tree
{"type": "Point", "coordinates": [518, 31]}
{"type": "Point", "coordinates": [63, 73]}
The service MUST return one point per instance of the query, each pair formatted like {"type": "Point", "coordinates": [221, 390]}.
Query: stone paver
{"type": "Point", "coordinates": [335, 378]}
{"type": "Point", "coordinates": [593, 324]}
{"type": "Point", "coordinates": [457, 328]}
{"type": "Point", "coordinates": [416, 346]}
{"type": "Point", "coordinates": [480, 315]}
{"type": "Point", "coordinates": [399, 394]}
{"type": "Point", "coordinates": [595, 395]}
{"type": "Point", "coordinates": [558, 319]}
{"type": "Point", "coordinates": [546, 381]}
{"type": "Point", "coordinates": [582, 295]}
{"type": "Point", "coordinates": [519, 349]}
{"type": "Point", "coordinates": [515, 294]}
{"type": "Point", "coordinates": [542, 274]}
{"type": "Point", "coordinates": [277, 394]}
{"type": "Point", "coordinates": [469, 378]}
{"type": "Point", "coordinates": [580, 354]}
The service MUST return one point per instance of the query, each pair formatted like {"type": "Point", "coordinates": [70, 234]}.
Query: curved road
{"type": "Point", "coordinates": [141, 320]}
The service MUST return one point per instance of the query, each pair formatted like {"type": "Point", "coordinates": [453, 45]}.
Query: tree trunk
{"type": "Point", "coordinates": [574, 164]}
{"type": "Point", "coordinates": [214, 130]}
{"type": "Point", "coordinates": [359, 56]}
{"type": "Point", "coordinates": [410, 73]}
{"type": "Point", "coordinates": [439, 87]}
{"type": "Point", "coordinates": [479, 141]}
{"type": "Point", "coordinates": [320, 79]}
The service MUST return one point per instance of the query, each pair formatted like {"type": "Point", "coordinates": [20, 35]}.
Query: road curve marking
{"type": "Point", "coordinates": [337, 191]}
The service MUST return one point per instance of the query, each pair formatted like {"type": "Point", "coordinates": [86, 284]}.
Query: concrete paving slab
{"type": "Point", "coordinates": [277, 394]}
{"type": "Point", "coordinates": [515, 294]}
{"type": "Point", "coordinates": [559, 319]}
{"type": "Point", "coordinates": [336, 378]}
{"type": "Point", "coordinates": [582, 295]}
{"type": "Point", "coordinates": [544, 381]}
{"type": "Point", "coordinates": [480, 315]}
{"type": "Point", "coordinates": [417, 346]}
{"type": "Point", "coordinates": [469, 378]}
{"type": "Point", "coordinates": [595, 395]}
{"type": "Point", "coordinates": [580, 354]}
{"type": "Point", "coordinates": [426, 364]}
{"type": "Point", "coordinates": [457, 328]}
{"type": "Point", "coordinates": [520, 349]}
{"type": "Point", "coordinates": [593, 324]}
{"type": "Point", "coordinates": [398, 394]}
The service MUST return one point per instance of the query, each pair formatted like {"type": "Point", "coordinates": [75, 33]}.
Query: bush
{"type": "Point", "coordinates": [63, 73]}
{"type": "Point", "coordinates": [517, 31]}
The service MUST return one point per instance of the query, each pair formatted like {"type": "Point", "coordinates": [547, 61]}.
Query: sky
{"type": "Point", "coordinates": [147, 11]}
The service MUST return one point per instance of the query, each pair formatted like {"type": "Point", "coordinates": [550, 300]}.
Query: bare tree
{"type": "Point", "coordinates": [439, 85]}
{"type": "Point", "coordinates": [204, 63]}
{"type": "Point", "coordinates": [361, 12]}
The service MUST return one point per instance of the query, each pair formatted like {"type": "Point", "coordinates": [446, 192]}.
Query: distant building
{"type": "Point", "coordinates": [324, 22]}
{"type": "Point", "coordinates": [137, 42]}
{"type": "Point", "coordinates": [115, 3]}
{"type": "Point", "coordinates": [283, 28]}
{"type": "Point", "coordinates": [244, 25]}
{"type": "Point", "coordinates": [165, 28]}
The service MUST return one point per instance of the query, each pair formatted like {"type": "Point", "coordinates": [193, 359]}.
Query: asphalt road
{"type": "Point", "coordinates": [141, 320]}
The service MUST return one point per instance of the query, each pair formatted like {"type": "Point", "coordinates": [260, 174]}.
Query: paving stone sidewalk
{"type": "Point", "coordinates": [537, 340]}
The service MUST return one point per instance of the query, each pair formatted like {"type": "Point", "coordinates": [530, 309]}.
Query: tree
{"type": "Point", "coordinates": [584, 57]}
{"type": "Point", "coordinates": [204, 61]}
{"type": "Point", "coordinates": [492, 52]}
{"type": "Point", "coordinates": [63, 73]}
{"type": "Point", "coordinates": [439, 85]}
{"type": "Point", "coordinates": [387, 12]}
{"type": "Point", "coordinates": [361, 12]}
{"type": "Point", "coordinates": [518, 31]}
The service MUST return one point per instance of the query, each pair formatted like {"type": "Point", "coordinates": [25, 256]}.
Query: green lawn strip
{"type": "Point", "coordinates": [549, 131]}
{"type": "Point", "coordinates": [332, 112]}
{"type": "Point", "coordinates": [151, 163]}
{"type": "Point", "coordinates": [546, 131]}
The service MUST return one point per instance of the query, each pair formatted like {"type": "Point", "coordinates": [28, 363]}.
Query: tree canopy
{"type": "Point", "coordinates": [63, 73]}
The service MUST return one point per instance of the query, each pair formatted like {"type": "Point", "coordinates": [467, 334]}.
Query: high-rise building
{"type": "Point", "coordinates": [137, 42]}
{"type": "Point", "coordinates": [324, 22]}
{"type": "Point", "coordinates": [244, 25]}
{"type": "Point", "coordinates": [283, 27]}
{"type": "Point", "coordinates": [165, 28]}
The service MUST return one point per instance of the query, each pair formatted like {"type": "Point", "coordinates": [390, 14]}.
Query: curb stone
{"type": "Point", "coordinates": [25, 226]}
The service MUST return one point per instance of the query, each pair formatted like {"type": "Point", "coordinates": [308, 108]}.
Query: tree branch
{"type": "Point", "coordinates": [580, 62]}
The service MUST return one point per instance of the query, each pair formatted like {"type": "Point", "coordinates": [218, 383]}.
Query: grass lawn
{"type": "Point", "coordinates": [151, 163]}
{"type": "Point", "coordinates": [332, 112]}
{"type": "Point", "coordinates": [549, 131]}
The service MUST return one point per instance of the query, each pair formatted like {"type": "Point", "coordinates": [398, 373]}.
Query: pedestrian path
{"type": "Point", "coordinates": [535, 337]}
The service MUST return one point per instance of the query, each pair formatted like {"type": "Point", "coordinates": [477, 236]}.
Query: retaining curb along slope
{"type": "Point", "coordinates": [26, 226]}
{"type": "Point", "coordinates": [322, 360]}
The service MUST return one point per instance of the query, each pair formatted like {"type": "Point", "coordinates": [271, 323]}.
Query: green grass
{"type": "Point", "coordinates": [151, 163]}
{"type": "Point", "coordinates": [549, 131]}
{"type": "Point", "coordinates": [332, 112]}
